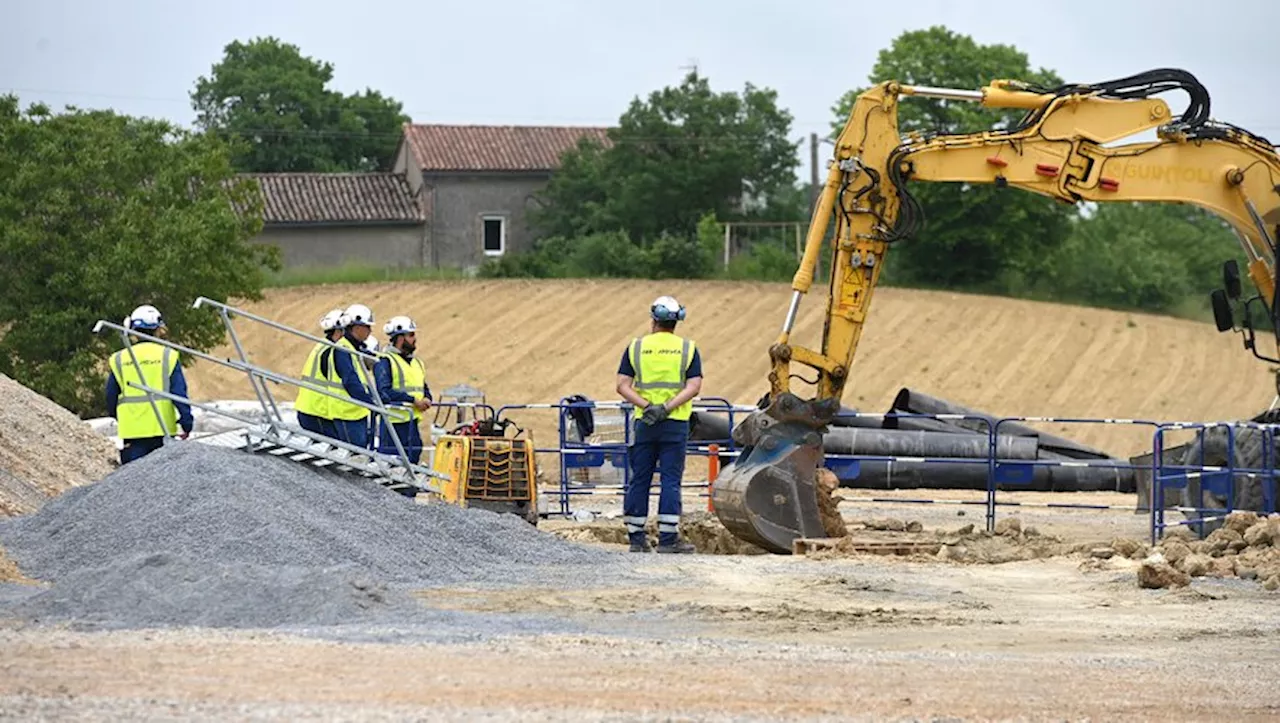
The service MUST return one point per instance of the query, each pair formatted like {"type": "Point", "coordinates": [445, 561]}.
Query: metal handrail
{"type": "Point", "coordinates": [226, 309]}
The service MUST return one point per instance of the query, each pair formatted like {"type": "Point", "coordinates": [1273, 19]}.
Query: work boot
{"type": "Point", "coordinates": [639, 543]}
{"type": "Point", "coordinates": [679, 547]}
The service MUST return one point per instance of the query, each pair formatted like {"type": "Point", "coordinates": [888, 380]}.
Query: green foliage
{"type": "Point", "coordinates": [356, 274]}
{"type": "Point", "coordinates": [683, 153]}
{"type": "Point", "coordinates": [762, 262]}
{"type": "Point", "coordinates": [1151, 256]}
{"type": "Point", "coordinates": [276, 105]}
{"type": "Point", "coordinates": [605, 255]}
{"type": "Point", "coordinates": [99, 213]}
{"type": "Point", "coordinates": [975, 236]}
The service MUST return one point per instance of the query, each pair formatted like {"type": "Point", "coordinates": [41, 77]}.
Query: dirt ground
{"type": "Point", "coordinates": [513, 339]}
{"type": "Point", "coordinates": [1059, 635]}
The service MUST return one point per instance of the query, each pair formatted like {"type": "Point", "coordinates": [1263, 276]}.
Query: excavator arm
{"type": "Point", "coordinates": [1062, 148]}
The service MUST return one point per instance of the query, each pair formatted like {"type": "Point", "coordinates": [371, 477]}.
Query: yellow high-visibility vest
{"type": "Point", "coordinates": [408, 376]}
{"type": "Point", "coordinates": [660, 361]}
{"type": "Point", "coordinates": [135, 417]}
{"type": "Point", "coordinates": [312, 402]}
{"type": "Point", "coordinates": [345, 410]}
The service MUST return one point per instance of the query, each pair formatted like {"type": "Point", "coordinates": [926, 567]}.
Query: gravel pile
{"type": "Point", "coordinates": [206, 535]}
{"type": "Point", "coordinates": [165, 590]}
{"type": "Point", "coordinates": [44, 450]}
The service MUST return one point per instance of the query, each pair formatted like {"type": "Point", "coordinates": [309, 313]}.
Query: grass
{"type": "Point", "coordinates": [358, 274]}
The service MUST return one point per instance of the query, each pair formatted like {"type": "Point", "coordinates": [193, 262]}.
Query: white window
{"type": "Point", "coordinates": [494, 235]}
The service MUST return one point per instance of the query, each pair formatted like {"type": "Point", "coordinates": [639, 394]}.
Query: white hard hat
{"type": "Point", "coordinates": [399, 325]}
{"type": "Point", "coordinates": [331, 321]}
{"type": "Point", "coordinates": [357, 315]}
{"type": "Point", "coordinates": [370, 345]}
{"type": "Point", "coordinates": [145, 317]}
{"type": "Point", "coordinates": [666, 308]}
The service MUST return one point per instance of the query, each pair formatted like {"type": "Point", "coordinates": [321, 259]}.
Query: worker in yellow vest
{"type": "Point", "coordinates": [660, 373]}
{"type": "Point", "coordinates": [312, 407]}
{"type": "Point", "coordinates": [402, 381]}
{"type": "Point", "coordinates": [353, 380]}
{"type": "Point", "coordinates": [144, 419]}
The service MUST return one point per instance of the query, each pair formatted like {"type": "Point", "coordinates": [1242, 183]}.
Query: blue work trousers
{"type": "Point", "coordinates": [410, 438]}
{"type": "Point", "coordinates": [659, 447]}
{"type": "Point", "coordinates": [353, 431]}
{"type": "Point", "coordinates": [139, 448]}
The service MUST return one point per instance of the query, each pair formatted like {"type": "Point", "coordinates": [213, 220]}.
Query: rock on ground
{"type": "Point", "coordinates": [44, 450]}
{"type": "Point", "coordinates": [828, 504]}
{"type": "Point", "coordinates": [702, 529]}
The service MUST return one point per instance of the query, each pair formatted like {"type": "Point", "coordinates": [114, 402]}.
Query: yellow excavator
{"type": "Point", "coordinates": [1064, 147]}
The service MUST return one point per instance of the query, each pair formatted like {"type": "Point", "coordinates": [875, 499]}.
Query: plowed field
{"type": "Point", "coordinates": [538, 341]}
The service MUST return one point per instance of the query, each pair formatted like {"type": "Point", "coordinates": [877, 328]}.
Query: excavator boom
{"type": "Point", "coordinates": [1062, 148]}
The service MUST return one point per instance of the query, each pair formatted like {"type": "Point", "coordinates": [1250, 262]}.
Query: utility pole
{"type": "Point", "coordinates": [813, 172]}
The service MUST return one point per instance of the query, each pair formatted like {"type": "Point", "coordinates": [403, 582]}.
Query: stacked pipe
{"type": "Point", "coordinates": [960, 439]}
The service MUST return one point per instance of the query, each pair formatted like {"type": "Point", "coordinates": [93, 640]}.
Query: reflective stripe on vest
{"type": "Point", "coordinates": [312, 402]}
{"type": "Point", "coordinates": [660, 361]}
{"type": "Point", "coordinates": [338, 408]}
{"type": "Point", "coordinates": [410, 377]}
{"type": "Point", "coordinates": [135, 417]}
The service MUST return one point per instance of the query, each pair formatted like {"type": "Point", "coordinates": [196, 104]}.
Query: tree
{"type": "Point", "coordinates": [276, 104]}
{"type": "Point", "coordinates": [102, 212]}
{"type": "Point", "coordinates": [1150, 256]}
{"type": "Point", "coordinates": [675, 157]}
{"type": "Point", "coordinates": [974, 235]}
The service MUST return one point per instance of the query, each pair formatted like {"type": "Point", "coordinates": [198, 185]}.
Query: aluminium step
{"type": "Point", "coordinates": [307, 450]}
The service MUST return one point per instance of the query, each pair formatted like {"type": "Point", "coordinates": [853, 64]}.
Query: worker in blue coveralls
{"type": "Point", "coordinates": [157, 367]}
{"type": "Point", "coordinates": [351, 421]}
{"type": "Point", "coordinates": [402, 381]}
{"type": "Point", "coordinates": [660, 374]}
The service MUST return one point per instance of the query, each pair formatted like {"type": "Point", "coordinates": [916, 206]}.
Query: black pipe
{"type": "Point", "coordinates": [928, 424]}
{"type": "Point", "coordinates": [915, 402]}
{"type": "Point", "coordinates": [907, 443]}
{"type": "Point", "coordinates": [883, 475]}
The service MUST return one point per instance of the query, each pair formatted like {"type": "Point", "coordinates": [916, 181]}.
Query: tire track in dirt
{"type": "Point", "coordinates": [534, 341]}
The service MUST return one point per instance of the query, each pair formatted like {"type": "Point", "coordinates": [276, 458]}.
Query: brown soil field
{"type": "Point", "coordinates": [524, 341]}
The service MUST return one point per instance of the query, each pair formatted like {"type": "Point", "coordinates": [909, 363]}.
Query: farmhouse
{"type": "Point", "coordinates": [336, 219]}
{"type": "Point", "coordinates": [455, 196]}
{"type": "Point", "coordinates": [480, 181]}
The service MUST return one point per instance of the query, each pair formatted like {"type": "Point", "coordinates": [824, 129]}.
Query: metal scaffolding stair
{"type": "Point", "coordinates": [276, 436]}
{"type": "Point", "coordinates": [324, 453]}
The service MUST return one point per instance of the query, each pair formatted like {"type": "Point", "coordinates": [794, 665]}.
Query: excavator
{"type": "Point", "coordinates": [1064, 147]}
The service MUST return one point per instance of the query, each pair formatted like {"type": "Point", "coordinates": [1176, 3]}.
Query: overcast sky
{"type": "Point", "coordinates": [570, 62]}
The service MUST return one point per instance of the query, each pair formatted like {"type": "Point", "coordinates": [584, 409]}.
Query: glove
{"type": "Point", "coordinates": [653, 414]}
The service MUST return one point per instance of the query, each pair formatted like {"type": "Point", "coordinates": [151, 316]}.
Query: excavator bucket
{"type": "Point", "coordinates": [769, 496]}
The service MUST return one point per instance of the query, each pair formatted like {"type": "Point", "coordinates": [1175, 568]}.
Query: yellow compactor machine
{"type": "Point", "coordinates": [488, 469]}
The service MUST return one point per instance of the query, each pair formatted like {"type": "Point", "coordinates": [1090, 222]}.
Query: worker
{"type": "Point", "coordinates": [402, 380]}
{"type": "Point", "coordinates": [353, 382]}
{"type": "Point", "coordinates": [141, 426]}
{"type": "Point", "coordinates": [660, 374]}
{"type": "Point", "coordinates": [368, 356]}
{"type": "Point", "coordinates": [312, 407]}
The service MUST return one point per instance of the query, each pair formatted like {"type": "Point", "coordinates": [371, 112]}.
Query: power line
{"type": "Point", "coordinates": [807, 123]}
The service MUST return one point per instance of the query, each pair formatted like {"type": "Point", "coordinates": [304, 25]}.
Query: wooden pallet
{"type": "Point", "coordinates": [805, 545]}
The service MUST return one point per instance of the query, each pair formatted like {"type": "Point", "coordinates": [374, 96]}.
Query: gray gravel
{"type": "Point", "coordinates": [195, 534]}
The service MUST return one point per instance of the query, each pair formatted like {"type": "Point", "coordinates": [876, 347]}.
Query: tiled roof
{"type": "Point", "coordinates": [337, 198]}
{"type": "Point", "coordinates": [443, 148]}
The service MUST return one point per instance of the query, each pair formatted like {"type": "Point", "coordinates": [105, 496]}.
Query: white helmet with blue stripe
{"type": "Point", "coordinates": [666, 308]}
{"type": "Point", "coordinates": [145, 317]}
